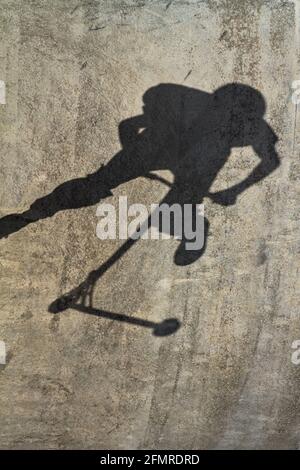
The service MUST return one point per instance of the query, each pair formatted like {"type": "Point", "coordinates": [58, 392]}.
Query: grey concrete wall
{"type": "Point", "coordinates": [73, 70]}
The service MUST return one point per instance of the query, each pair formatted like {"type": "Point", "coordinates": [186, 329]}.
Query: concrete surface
{"type": "Point", "coordinates": [73, 71]}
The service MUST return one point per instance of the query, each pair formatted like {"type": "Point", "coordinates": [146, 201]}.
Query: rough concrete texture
{"type": "Point", "coordinates": [73, 71]}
